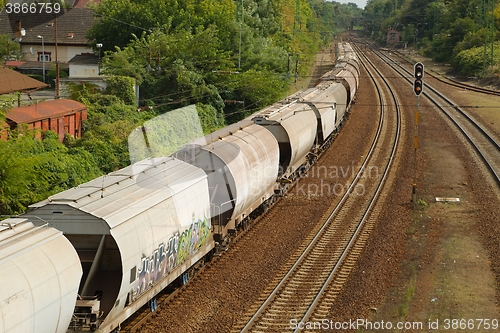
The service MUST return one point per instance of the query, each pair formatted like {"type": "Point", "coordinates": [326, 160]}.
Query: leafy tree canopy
{"type": "Point", "coordinates": [9, 48]}
{"type": "Point", "coordinates": [208, 52]}
{"type": "Point", "coordinates": [121, 20]}
{"type": "Point", "coordinates": [33, 169]}
{"type": "Point", "coordinates": [448, 31]}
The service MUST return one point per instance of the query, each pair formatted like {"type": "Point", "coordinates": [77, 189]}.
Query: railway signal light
{"type": "Point", "coordinates": [419, 70]}
{"type": "Point", "coordinates": [418, 86]}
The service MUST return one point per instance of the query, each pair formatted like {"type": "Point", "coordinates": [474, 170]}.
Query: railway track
{"type": "Point", "coordinates": [306, 287]}
{"type": "Point", "coordinates": [448, 79]}
{"type": "Point", "coordinates": [306, 298]}
{"type": "Point", "coordinates": [174, 294]}
{"type": "Point", "coordinates": [486, 144]}
{"type": "Point", "coordinates": [399, 57]}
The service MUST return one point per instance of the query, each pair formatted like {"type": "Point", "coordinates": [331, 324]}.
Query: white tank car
{"type": "Point", "coordinates": [135, 230]}
{"type": "Point", "coordinates": [347, 74]}
{"type": "Point", "coordinates": [39, 277]}
{"type": "Point", "coordinates": [241, 162]}
{"type": "Point", "coordinates": [328, 101]}
{"type": "Point", "coordinates": [294, 126]}
{"type": "Point", "coordinates": [346, 71]}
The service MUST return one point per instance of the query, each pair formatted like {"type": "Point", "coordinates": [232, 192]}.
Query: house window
{"type": "Point", "coordinates": [41, 56]}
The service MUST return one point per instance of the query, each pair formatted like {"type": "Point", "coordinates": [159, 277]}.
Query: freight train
{"type": "Point", "coordinates": [131, 233]}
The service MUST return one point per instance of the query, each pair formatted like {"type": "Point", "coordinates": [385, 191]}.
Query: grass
{"type": "Point", "coordinates": [422, 204]}
{"type": "Point", "coordinates": [410, 291]}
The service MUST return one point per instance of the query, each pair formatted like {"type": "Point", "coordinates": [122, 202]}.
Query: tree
{"type": "Point", "coordinates": [33, 169]}
{"type": "Point", "coordinates": [121, 20]}
{"type": "Point", "coordinates": [110, 121]}
{"type": "Point", "coordinates": [194, 51]}
{"type": "Point", "coordinates": [9, 48]}
{"type": "Point", "coordinates": [448, 31]}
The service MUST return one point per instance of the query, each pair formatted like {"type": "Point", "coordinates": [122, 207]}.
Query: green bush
{"type": "Point", "coordinates": [121, 87]}
{"type": "Point", "coordinates": [473, 61]}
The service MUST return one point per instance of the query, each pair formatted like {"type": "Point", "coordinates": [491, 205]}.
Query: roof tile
{"type": "Point", "coordinates": [72, 24]}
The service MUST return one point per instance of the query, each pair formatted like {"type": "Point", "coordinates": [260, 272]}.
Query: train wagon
{"type": "Point", "coordinates": [40, 273]}
{"type": "Point", "coordinates": [135, 231]}
{"type": "Point", "coordinates": [88, 258]}
{"type": "Point", "coordinates": [328, 101]}
{"type": "Point", "coordinates": [348, 75]}
{"type": "Point", "coordinates": [241, 162]}
{"type": "Point", "coordinates": [346, 71]}
{"type": "Point", "coordinates": [294, 125]}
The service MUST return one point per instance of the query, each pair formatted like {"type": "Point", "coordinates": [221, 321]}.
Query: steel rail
{"type": "Point", "coordinates": [320, 232]}
{"type": "Point", "coordinates": [490, 165]}
{"type": "Point", "coordinates": [370, 206]}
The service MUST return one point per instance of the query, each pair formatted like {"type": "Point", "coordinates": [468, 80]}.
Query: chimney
{"type": "Point", "coordinates": [18, 29]}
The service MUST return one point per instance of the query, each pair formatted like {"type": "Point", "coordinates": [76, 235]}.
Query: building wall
{"type": "Point", "coordinates": [393, 36]}
{"type": "Point", "coordinates": [64, 53]}
{"type": "Point", "coordinates": [83, 70]}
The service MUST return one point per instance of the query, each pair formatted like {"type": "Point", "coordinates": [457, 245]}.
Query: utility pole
{"type": "Point", "coordinates": [492, 31]}
{"type": "Point", "coordinates": [57, 63]}
{"type": "Point", "coordinates": [489, 25]}
{"type": "Point", "coordinates": [239, 17]}
{"type": "Point", "coordinates": [43, 57]}
{"type": "Point", "coordinates": [296, 22]}
{"type": "Point", "coordinates": [296, 67]}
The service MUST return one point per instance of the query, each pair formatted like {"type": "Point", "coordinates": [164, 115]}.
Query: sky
{"type": "Point", "coordinates": [361, 3]}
